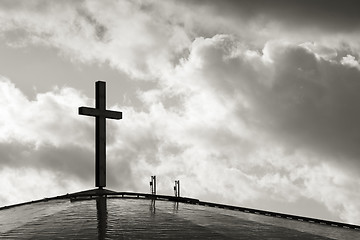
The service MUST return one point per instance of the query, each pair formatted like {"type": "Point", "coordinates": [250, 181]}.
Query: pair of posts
{"type": "Point", "coordinates": [153, 186]}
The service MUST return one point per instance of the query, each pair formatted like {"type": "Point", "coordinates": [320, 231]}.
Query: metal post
{"type": "Point", "coordinates": [153, 185]}
{"type": "Point", "coordinates": [177, 188]}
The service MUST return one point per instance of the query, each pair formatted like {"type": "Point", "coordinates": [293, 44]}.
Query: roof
{"type": "Point", "coordinates": [105, 214]}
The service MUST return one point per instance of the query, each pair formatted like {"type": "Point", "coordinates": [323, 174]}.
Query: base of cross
{"type": "Point", "coordinates": [94, 192]}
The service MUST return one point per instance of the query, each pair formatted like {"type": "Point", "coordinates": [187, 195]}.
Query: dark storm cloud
{"type": "Point", "coordinates": [71, 161]}
{"type": "Point", "coordinates": [328, 14]}
{"type": "Point", "coordinates": [300, 100]}
{"type": "Point", "coordinates": [67, 162]}
{"type": "Point", "coordinates": [314, 103]}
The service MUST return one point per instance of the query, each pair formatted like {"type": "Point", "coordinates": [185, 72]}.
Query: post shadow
{"type": "Point", "coordinates": [152, 207]}
{"type": "Point", "coordinates": [176, 207]}
{"type": "Point", "coordinates": [101, 208]}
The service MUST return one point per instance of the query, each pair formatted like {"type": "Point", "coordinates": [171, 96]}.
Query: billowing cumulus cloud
{"type": "Point", "coordinates": [242, 112]}
{"type": "Point", "coordinates": [133, 37]}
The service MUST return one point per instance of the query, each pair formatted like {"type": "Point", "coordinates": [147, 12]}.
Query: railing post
{"type": "Point", "coordinates": [153, 185]}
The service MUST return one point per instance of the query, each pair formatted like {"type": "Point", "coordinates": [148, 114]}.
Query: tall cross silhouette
{"type": "Point", "coordinates": [100, 113]}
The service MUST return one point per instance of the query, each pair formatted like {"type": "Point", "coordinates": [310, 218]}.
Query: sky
{"type": "Point", "coordinates": [249, 103]}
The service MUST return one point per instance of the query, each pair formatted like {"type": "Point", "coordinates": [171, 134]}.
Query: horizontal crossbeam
{"type": "Point", "coordinates": [100, 113]}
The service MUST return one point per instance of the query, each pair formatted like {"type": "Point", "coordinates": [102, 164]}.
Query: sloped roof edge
{"type": "Point", "coordinates": [93, 193]}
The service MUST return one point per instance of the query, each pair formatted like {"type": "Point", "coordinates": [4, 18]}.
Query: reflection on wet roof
{"type": "Point", "coordinates": [128, 218]}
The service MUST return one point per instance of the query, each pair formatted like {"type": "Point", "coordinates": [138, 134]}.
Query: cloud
{"type": "Point", "coordinates": [52, 116]}
{"type": "Point", "coordinates": [285, 96]}
{"type": "Point", "coordinates": [311, 103]}
{"type": "Point", "coordinates": [287, 92]}
{"type": "Point", "coordinates": [350, 61]}
{"type": "Point", "coordinates": [148, 37]}
{"type": "Point", "coordinates": [44, 137]}
{"type": "Point", "coordinates": [139, 42]}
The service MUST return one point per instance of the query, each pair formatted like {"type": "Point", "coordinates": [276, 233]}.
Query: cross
{"type": "Point", "coordinates": [100, 113]}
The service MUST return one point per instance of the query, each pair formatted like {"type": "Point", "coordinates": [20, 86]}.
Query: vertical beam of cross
{"type": "Point", "coordinates": [100, 113]}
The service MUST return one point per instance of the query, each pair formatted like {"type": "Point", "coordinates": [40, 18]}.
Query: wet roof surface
{"type": "Point", "coordinates": [119, 218]}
